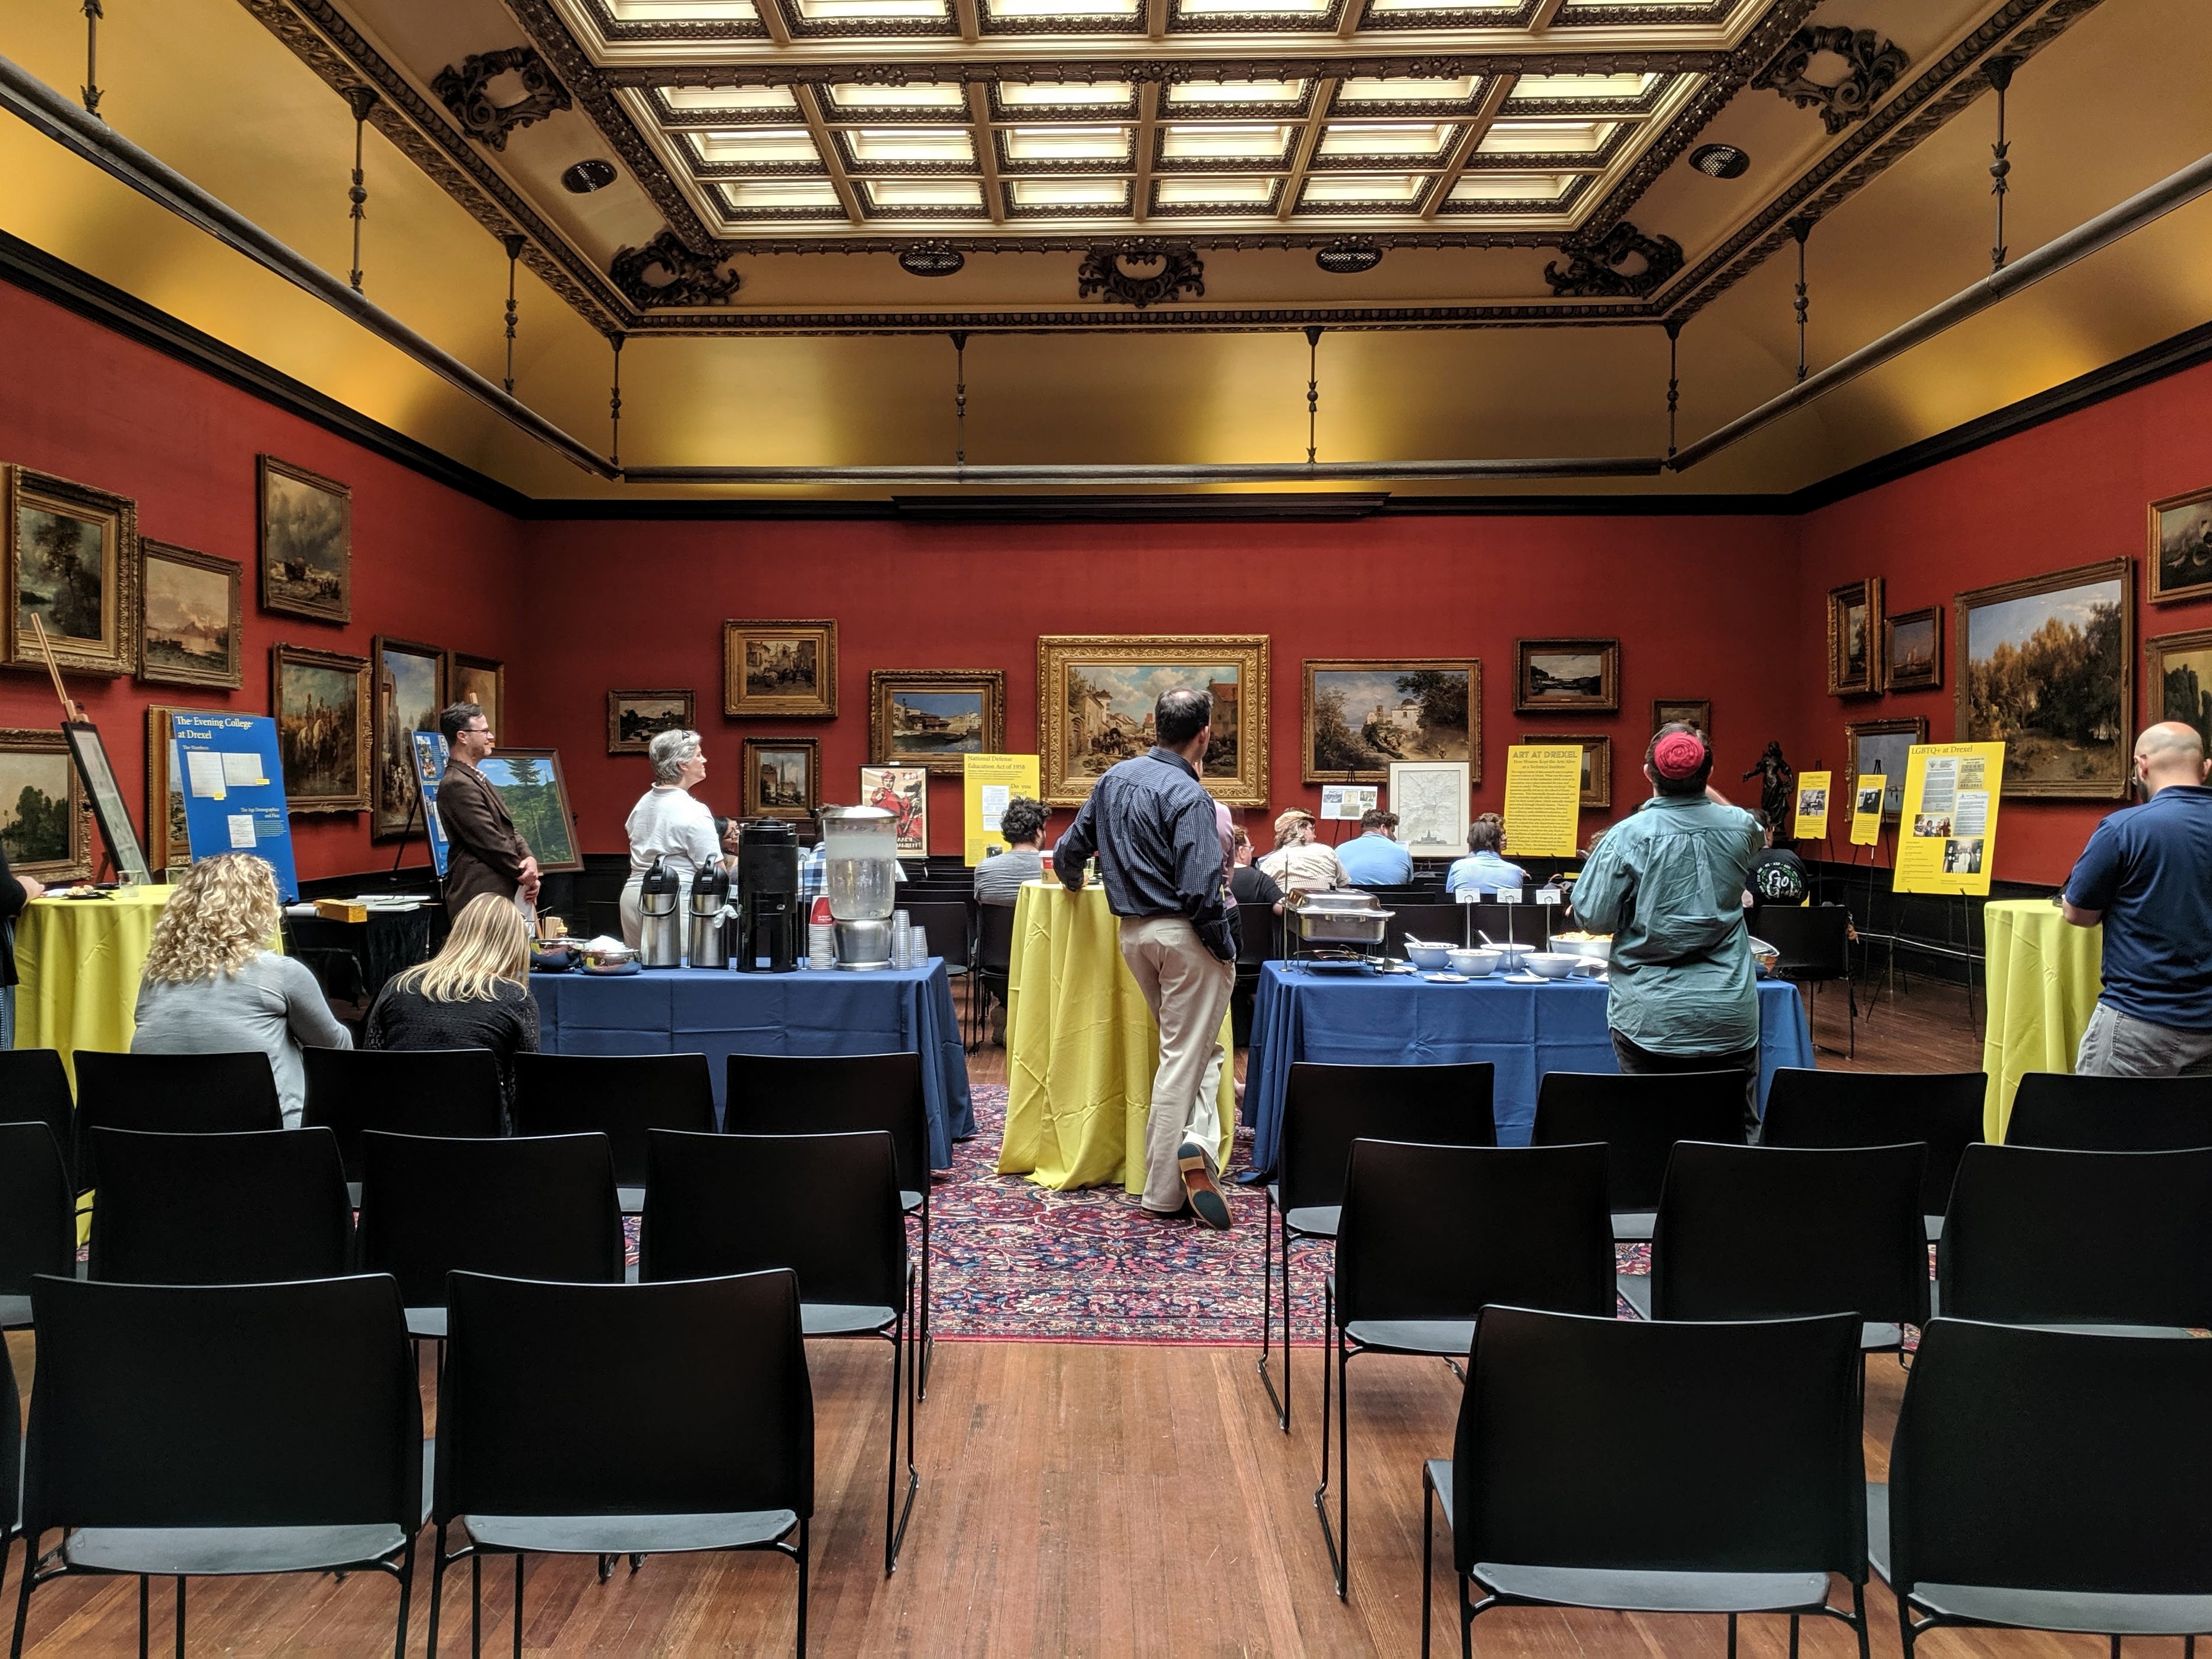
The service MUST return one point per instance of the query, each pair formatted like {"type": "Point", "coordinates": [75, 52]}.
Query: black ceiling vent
{"type": "Point", "coordinates": [1348, 259]}
{"type": "Point", "coordinates": [1720, 160]}
{"type": "Point", "coordinates": [930, 260]}
{"type": "Point", "coordinates": [586, 177]}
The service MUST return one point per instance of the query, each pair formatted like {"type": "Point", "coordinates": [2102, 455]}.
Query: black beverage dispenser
{"type": "Point", "coordinates": [770, 922]}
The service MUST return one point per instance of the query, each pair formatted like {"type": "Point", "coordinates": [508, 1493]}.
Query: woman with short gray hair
{"type": "Point", "coordinates": [669, 823]}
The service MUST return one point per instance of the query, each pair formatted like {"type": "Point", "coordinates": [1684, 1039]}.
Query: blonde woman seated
{"type": "Point", "coordinates": [1300, 864]}
{"type": "Point", "coordinates": [474, 993]}
{"type": "Point", "coordinates": [670, 823]}
{"type": "Point", "coordinates": [212, 986]}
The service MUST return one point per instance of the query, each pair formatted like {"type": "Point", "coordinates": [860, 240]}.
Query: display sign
{"type": "Point", "coordinates": [430, 753]}
{"type": "Point", "coordinates": [1812, 805]}
{"type": "Point", "coordinates": [988, 783]}
{"type": "Point", "coordinates": [1349, 800]}
{"type": "Point", "coordinates": [234, 787]}
{"type": "Point", "coordinates": [1543, 799]}
{"type": "Point", "coordinates": [1949, 831]}
{"type": "Point", "coordinates": [1866, 810]}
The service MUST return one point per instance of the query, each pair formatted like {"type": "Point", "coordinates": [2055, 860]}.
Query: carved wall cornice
{"type": "Point", "coordinates": [464, 88]}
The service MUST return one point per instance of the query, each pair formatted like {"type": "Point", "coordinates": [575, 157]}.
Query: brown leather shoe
{"type": "Point", "coordinates": [1207, 1201]}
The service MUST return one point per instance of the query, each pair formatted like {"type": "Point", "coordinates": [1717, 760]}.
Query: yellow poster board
{"type": "Point", "coordinates": [1947, 840]}
{"type": "Point", "coordinates": [1543, 799]}
{"type": "Point", "coordinates": [1866, 810]}
{"type": "Point", "coordinates": [1812, 805]}
{"type": "Point", "coordinates": [988, 783]}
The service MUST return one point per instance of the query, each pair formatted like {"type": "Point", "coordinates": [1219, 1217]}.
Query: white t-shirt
{"type": "Point", "coordinates": [671, 823]}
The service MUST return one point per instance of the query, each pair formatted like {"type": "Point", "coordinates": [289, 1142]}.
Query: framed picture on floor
{"type": "Point", "coordinates": [931, 717]}
{"type": "Point", "coordinates": [306, 543]}
{"type": "Point", "coordinates": [1566, 676]}
{"type": "Point", "coordinates": [780, 670]}
{"type": "Point", "coordinates": [1879, 749]}
{"type": "Point", "coordinates": [1855, 638]}
{"type": "Point", "coordinates": [410, 691]}
{"type": "Point", "coordinates": [1597, 762]}
{"type": "Point", "coordinates": [321, 704]}
{"type": "Point", "coordinates": [479, 680]}
{"type": "Point", "coordinates": [1696, 712]}
{"type": "Point", "coordinates": [2181, 548]}
{"type": "Point", "coordinates": [189, 628]}
{"type": "Point", "coordinates": [1095, 695]}
{"type": "Point", "coordinates": [903, 791]}
{"type": "Point", "coordinates": [635, 719]}
{"type": "Point", "coordinates": [1356, 715]}
{"type": "Point", "coordinates": [2046, 667]}
{"type": "Point", "coordinates": [782, 777]}
{"type": "Point", "coordinates": [529, 780]}
{"type": "Point", "coordinates": [42, 818]}
{"type": "Point", "coordinates": [1912, 650]}
{"type": "Point", "coordinates": [2181, 680]}
{"type": "Point", "coordinates": [72, 564]}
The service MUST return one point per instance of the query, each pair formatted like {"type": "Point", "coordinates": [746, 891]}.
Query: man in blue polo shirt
{"type": "Point", "coordinates": [1371, 858]}
{"type": "Point", "coordinates": [2147, 875]}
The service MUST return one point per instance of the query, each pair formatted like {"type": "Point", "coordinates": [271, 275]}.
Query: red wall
{"type": "Point", "coordinates": [430, 563]}
{"type": "Point", "coordinates": [2073, 491]}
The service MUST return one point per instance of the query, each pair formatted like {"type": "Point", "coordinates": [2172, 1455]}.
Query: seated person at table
{"type": "Point", "coordinates": [474, 993]}
{"type": "Point", "coordinates": [211, 985]}
{"type": "Point", "coordinates": [1484, 869]}
{"type": "Point", "coordinates": [1000, 876]}
{"type": "Point", "coordinates": [1252, 887]}
{"type": "Point", "coordinates": [1777, 875]}
{"type": "Point", "coordinates": [1371, 858]}
{"type": "Point", "coordinates": [671, 823]}
{"type": "Point", "coordinates": [1300, 863]}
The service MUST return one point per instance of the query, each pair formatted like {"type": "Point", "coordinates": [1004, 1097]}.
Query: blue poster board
{"type": "Point", "coordinates": [429, 767]}
{"type": "Point", "coordinates": [232, 781]}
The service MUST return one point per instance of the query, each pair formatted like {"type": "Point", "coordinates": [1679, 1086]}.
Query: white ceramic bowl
{"type": "Point", "coordinates": [1427, 956]}
{"type": "Point", "coordinates": [1476, 964]}
{"type": "Point", "coordinates": [1595, 949]}
{"type": "Point", "coordinates": [1551, 964]}
{"type": "Point", "coordinates": [1512, 955]}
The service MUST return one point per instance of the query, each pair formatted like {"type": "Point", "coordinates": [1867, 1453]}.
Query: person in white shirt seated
{"type": "Point", "coordinates": [1000, 876]}
{"type": "Point", "coordinates": [671, 823]}
{"type": "Point", "coordinates": [1483, 869]}
{"type": "Point", "coordinates": [1301, 864]}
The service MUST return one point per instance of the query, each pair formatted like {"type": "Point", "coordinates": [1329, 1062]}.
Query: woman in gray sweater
{"type": "Point", "coordinates": [212, 986]}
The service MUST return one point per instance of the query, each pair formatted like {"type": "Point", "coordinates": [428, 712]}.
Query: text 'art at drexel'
{"type": "Point", "coordinates": [773, 947]}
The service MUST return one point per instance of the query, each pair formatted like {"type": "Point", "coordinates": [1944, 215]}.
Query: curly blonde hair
{"type": "Point", "coordinates": [222, 916]}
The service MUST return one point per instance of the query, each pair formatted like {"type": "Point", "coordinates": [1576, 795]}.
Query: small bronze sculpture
{"type": "Point", "coordinates": [1774, 789]}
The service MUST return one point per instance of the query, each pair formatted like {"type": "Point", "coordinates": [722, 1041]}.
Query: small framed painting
{"type": "Point", "coordinates": [635, 719]}
{"type": "Point", "coordinates": [529, 780]}
{"type": "Point", "coordinates": [1431, 800]}
{"type": "Point", "coordinates": [1912, 650]}
{"type": "Point", "coordinates": [189, 627]}
{"type": "Point", "coordinates": [306, 543]}
{"type": "Point", "coordinates": [321, 702]}
{"type": "Point", "coordinates": [931, 717]}
{"type": "Point", "coordinates": [903, 791]}
{"type": "Point", "coordinates": [2181, 548]}
{"type": "Point", "coordinates": [1855, 638]}
{"type": "Point", "coordinates": [1357, 716]}
{"type": "Point", "coordinates": [782, 777]}
{"type": "Point", "coordinates": [72, 568]}
{"type": "Point", "coordinates": [2181, 680]}
{"type": "Point", "coordinates": [2046, 667]}
{"type": "Point", "coordinates": [1695, 712]}
{"type": "Point", "coordinates": [1566, 676]}
{"type": "Point", "coordinates": [410, 691]}
{"type": "Point", "coordinates": [1879, 748]}
{"type": "Point", "coordinates": [780, 670]}
{"type": "Point", "coordinates": [41, 798]}
{"type": "Point", "coordinates": [168, 842]}
{"type": "Point", "coordinates": [479, 680]}
{"type": "Point", "coordinates": [1597, 762]}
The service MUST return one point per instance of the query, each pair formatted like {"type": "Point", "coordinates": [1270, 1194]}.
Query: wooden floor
{"type": "Point", "coordinates": [1076, 1499]}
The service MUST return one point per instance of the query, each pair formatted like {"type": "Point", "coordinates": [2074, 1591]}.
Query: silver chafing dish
{"type": "Point", "coordinates": [1345, 917]}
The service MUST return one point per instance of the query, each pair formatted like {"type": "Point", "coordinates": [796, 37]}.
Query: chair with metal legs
{"type": "Point", "coordinates": [1639, 1119]}
{"type": "Point", "coordinates": [1942, 1110]}
{"type": "Point", "coordinates": [38, 1225]}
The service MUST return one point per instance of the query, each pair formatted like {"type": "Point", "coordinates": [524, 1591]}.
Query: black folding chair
{"type": "Point", "coordinates": [1737, 1489]}
{"type": "Point", "coordinates": [994, 966]}
{"type": "Point", "coordinates": [1942, 1110]}
{"type": "Point", "coordinates": [2049, 1481]}
{"type": "Point", "coordinates": [1325, 1110]}
{"type": "Point", "coordinates": [1258, 943]}
{"type": "Point", "coordinates": [2080, 1239]}
{"type": "Point", "coordinates": [244, 1209]}
{"type": "Point", "coordinates": [540, 1207]}
{"type": "Point", "coordinates": [38, 1224]}
{"type": "Point", "coordinates": [824, 1206]}
{"type": "Point", "coordinates": [1772, 1232]}
{"type": "Point", "coordinates": [714, 1450]}
{"type": "Point", "coordinates": [1815, 946]}
{"type": "Point", "coordinates": [35, 1086]}
{"type": "Point", "coordinates": [11, 1465]}
{"type": "Point", "coordinates": [845, 1094]}
{"type": "Point", "coordinates": [191, 1430]}
{"type": "Point", "coordinates": [171, 1094]}
{"type": "Point", "coordinates": [1430, 1236]}
{"type": "Point", "coordinates": [401, 1091]}
{"type": "Point", "coordinates": [619, 1096]}
{"type": "Point", "coordinates": [2111, 1114]}
{"type": "Point", "coordinates": [1639, 1119]}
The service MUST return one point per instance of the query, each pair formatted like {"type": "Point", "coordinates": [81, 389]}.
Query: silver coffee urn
{"type": "Point", "coordinates": [659, 897]}
{"type": "Point", "coordinates": [709, 945]}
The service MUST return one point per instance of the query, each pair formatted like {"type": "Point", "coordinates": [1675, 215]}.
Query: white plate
{"type": "Point", "coordinates": [1446, 979]}
{"type": "Point", "coordinates": [1525, 978]}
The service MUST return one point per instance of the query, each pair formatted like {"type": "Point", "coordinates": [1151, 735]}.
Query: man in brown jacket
{"type": "Point", "coordinates": [484, 853]}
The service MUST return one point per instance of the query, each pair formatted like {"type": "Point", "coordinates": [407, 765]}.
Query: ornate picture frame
{"type": "Point", "coordinates": [1855, 638]}
{"type": "Point", "coordinates": [1094, 695]}
{"type": "Point", "coordinates": [55, 847]}
{"type": "Point", "coordinates": [177, 589]}
{"type": "Point", "coordinates": [635, 719]}
{"type": "Point", "coordinates": [780, 670]}
{"type": "Point", "coordinates": [1597, 762]}
{"type": "Point", "coordinates": [410, 692]}
{"type": "Point", "coordinates": [2179, 679]}
{"type": "Point", "coordinates": [305, 534]}
{"type": "Point", "coordinates": [2063, 703]}
{"type": "Point", "coordinates": [1912, 650]}
{"type": "Point", "coordinates": [168, 842]}
{"type": "Point", "coordinates": [1687, 711]}
{"type": "Point", "coordinates": [1358, 715]}
{"type": "Point", "coordinates": [91, 616]}
{"type": "Point", "coordinates": [1876, 738]}
{"type": "Point", "coordinates": [1566, 677]}
{"type": "Point", "coordinates": [468, 679]}
{"type": "Point", "coordinates": [787, 797]}
{"type": "Point", "coordinates": [2179, 562]}
{"type": "Point", "coordinates": [929, 717]}
{"type": "Point", "coordinates": [320, 701]}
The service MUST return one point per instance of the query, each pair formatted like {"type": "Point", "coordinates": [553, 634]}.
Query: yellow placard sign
{"type": "Point", "coordinates": [988, 783]}
{"type": "Point", "coordinates": [1812, 805]}
{"type": "Point", "coordinates": [1543, 799]}
{"type": "Point", "coordinates": [1866, 809]}
{"type": "Point", "coordinates": [1947, 840]}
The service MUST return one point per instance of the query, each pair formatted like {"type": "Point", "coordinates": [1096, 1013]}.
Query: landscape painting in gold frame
{"type": "Point", "coordinates": [2046, 667]}
{"type": "Point", "coordinates": [932, 717]}
{"type": "Point", "coordinates": [42, 817]}
{"type": "Point", "coordinates": [1855, 638]}
{"type": "Point", "coordinates": [2181, 680]}
{"type": "Point", "coordinates": [1358, 715]}
{"type": "Point", "coordinates": [2180, 561]}
{"type": "Point", "coordinates": [780, 670]}
{"type": "Point", "coordinates": [1095, 698]}
{"type": "Point", "coordinates": [72, 563]}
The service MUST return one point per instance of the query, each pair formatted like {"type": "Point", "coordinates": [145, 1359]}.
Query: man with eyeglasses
{"type": "Point", "coordinates": [485, 854]}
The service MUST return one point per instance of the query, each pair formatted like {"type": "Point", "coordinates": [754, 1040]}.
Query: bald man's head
{"type": "Point", "coordinates": [2170, 753]}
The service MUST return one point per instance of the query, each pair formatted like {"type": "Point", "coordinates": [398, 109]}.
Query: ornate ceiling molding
{"type": "Point", "coordinates": [1286, 66]}
{"type": "Point", "coordinates": [1600, 269]}
{"type": "Point", "coordinates": [686, 278]}
{"type": "Point", "coordinates": [1105, 271]}
{"type": "Point", "coordinates": [464, 90]}
{"type": "Point", "coordinates": [1871, 66]}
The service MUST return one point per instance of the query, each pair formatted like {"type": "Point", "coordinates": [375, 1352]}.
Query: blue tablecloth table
{"type": "Point", "coordinates": [680, 1011]}
{"type": "Point", "coordinates": [1402, 1020]}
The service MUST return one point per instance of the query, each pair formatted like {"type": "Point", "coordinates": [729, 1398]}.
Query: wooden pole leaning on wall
{"type": "Point", "coordinates": [72, 710]}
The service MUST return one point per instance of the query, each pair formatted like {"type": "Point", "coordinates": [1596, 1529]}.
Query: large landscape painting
{"type": "Point", "coordinates": [41, 827]}
{"type": "Point", "coordinates": [1360, 716]}
{"type": "Point", "coordinates": [72, 569]}
{"type": "Point", "coordinates": [190, 626]}
{"type": "Point", "coordinates": [929, 717]}
{"type": "Point", "coordinates": [1095, 698]}
{"type": "Point", "coordinates": [529, 780]}
{"type": "Point", "coordinates": [2044, 670]}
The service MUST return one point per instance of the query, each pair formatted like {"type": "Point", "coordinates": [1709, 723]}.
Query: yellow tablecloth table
{"type": "Point", "coordinates": [1081, 1047]}
{"type": "Point", "coordinates": [2044, 977]}
{"type": "Point", "coordinates": [78, 961]}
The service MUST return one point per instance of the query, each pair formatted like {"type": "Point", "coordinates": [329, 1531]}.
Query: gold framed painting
{"type": "Point", "coordinates": [1566, 677]}
{"type": "Point", "coordinates": [635, 719]}
{"type": "Point", "coordinates": [479, 680]}
{"type": "Point", "coordinates": [410, 692]}
{"type": "Point", "coordinates": [1696, 712]}
{"type": "Point", "coordinates": [931, 717]}
{"type": "Point", "coordinates": [1597, 762]}
{"type": "Point", "coordinates": [72, 563]}
{"type": "Point", "coordinates": [1855, 638]}
{"type": "Point", "coordinates": [189, 622]}
{"type": "Point", "coordinates": [780, 670]}
{"type": "Point", "coordinates": [1879, 749]}
{"type": "Point", "coordinates": [2180, 667]}
{"type": "Point", "coordinates": [306, 543]}
{"type": "Point", "coordinates": [2046, 667]}
{"type": "Point", "coordinates": [321, 704]}
{"type": "Point", "coordinates": [1357, 716]}
{"type": "Point", "coordinates": [2180, 560]}
{"type": "Point", "coordinates": [1095, 699]}
{"type": "Point", "coordinates": [42, 817]}
{"type": "Point", "coordinates": [1912, 650]}
{"type": "Point", "coordinates": [168, 841]}
{"type": "Point", "coordinates": [782, 777]}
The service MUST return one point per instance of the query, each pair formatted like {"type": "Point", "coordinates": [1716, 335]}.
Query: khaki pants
{"type": "Point", "coordinates": [1186, 987]}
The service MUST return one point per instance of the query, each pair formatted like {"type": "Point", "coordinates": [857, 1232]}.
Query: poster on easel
{"type": "Point", "coordinates": [1543, 799]}
{"type": "Point", "coordinates": [1947, 837]}
{"type": "Point", "coordinates": [1866, 809]}
{"type": "Point", "coordinates": [988, 783]}
{"type": "Point", "coordinates": [1813, 789]}
{"type": "Point", "coordinates": [234, 789]}
{"type": "Point", "coordinates": [429, 767]}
